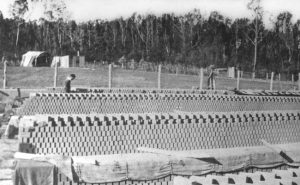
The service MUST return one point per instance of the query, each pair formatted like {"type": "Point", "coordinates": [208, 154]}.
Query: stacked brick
{"type": "Point", "coordinates": [289, 176]}
{"type": "Point", "coordinates": [168, 180]}
{"type": "Point", "coordinates": [81, 135]}
{"type": "Point", "coordinates": [86, 103]}
{"type": "Point", "coordinates": [105, 121]}
{"type": "Point", "coordinates": [143, 90]}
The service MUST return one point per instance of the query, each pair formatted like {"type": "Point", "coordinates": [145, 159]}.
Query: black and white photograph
{"type": "Point", "coordinates": [149, 92]}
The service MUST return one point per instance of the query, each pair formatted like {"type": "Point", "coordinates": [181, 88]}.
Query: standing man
{"type": "Point", "coordinates": [211, 77]}
{"type": "Point", "coordinates": [68, 83]}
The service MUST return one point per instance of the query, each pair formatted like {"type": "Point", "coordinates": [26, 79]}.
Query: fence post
{"type": "Point", "coordinates": [271, 84]}
{"type": "Point", "coordinates": [109, 75]}
{"type": "Point", "coordinates": [19, 92]}
{"type": "Point", "coordinates": [238, 80]}
{"type": "Point", "coordinates": [293, 80]}
{"type": "Point", "coordinates": [201, 79]}
{"type": "Point", "coordinates": [159, 77]}
{"type": "Point", "coordinates": [55, 74]}
{"type": "Point", "coordinates": [4, 73]}
{"type": "Point", "coordinates": [279, 78]}
{"type": "Point", "coordinates": [298, 81]}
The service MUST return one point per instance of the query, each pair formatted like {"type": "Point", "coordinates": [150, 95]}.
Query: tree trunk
{"type": "Point", "coordinates": [255, 58]}
{"type": "Point", "coordinates": [59, 40]}
{"type": "Point", "coordinates": [17, 39]}
{"type": "Point", "coordinates": [255, 48]}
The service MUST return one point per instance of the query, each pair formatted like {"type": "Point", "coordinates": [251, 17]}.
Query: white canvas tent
{"type": "Point", "coordinates": [63, 62]}
{"type": "Point", "coordinates": [35, 59]}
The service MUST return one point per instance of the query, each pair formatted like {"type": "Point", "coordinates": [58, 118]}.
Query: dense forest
{"type": "Point", "coordinates": [189, 39]}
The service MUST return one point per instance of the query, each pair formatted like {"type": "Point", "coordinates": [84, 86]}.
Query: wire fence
{"type": "Point", "coordinates": [144, 76]}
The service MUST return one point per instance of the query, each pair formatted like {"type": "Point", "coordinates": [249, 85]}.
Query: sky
{"type": "Point", "coordinates": [83, 10]}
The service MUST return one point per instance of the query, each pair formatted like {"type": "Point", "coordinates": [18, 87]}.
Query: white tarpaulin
{"type": "Point", "coordinates": [35, 58]}
{"type": "Point", "coordinates": [63, 61]}
{"type": "Point", "coordinates": [149, 166]}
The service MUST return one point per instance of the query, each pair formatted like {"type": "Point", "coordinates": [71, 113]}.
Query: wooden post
{"type": "Point", "coordinates": [19, 92]}
{"type": "Point", "coordinates": [299, 81]}
{"type": "Point", "coordinates": [271, 82]}
{"type": "Point", "coordinates": [201, 79]}
{"type": "Point", "coordinates": [238, 80]}
{"type": "Point", "coordinates": [293, 79]}
{"type": "Point", "coordinates": [214, 83]}
{"type": "Point", "coordinates": [279, 79]}
{"type": "Point", "coordinates": [4, 72]}
{"type": "Point", "coordinates": [109, 75]}
{"type": "Point", "coordinates": [55, 74]}
{"type": "Point", "coordinates": [159, 77]}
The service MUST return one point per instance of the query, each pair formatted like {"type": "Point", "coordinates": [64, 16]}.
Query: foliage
{"type": "Point", "coordinates": [189, 39]}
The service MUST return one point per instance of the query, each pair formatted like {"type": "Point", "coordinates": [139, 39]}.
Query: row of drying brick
{"type": "Point", "coordinates": [165, 118]}
{"type": "Point", "coordinates": [185, 91]}
{"type": "Point", "coordinates": [275, 177]}
{"type": "Point", "coordinates": [104, 135]}
{"type": "Point", "coordinates": [180, 91]}
{"type": "Point", "coordinates": [139, 90]}
{"type": "Point", "coordinates": [139, 103]}
{"type": "Point", "coordinates": [168, 96]}
{"type": "Point", "coordinates": [168, 180]}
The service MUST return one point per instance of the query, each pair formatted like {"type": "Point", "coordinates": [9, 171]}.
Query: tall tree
{"type": "Point", "coordinates": [284, 29]}
{"type": "Point", "coordinates": [255, 29]}
{"type": "Point", "coordinates": [18, 10]}
{"type": "Point", "coordinates": [56, 11]}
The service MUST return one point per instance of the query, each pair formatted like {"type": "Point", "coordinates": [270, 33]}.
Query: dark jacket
{"type": "Point", "coordinates": [68, 86]}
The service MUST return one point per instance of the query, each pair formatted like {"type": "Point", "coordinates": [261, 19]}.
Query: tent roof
{"type": "Point", "coordinates": [31, 56]}
{"type": "Point", "coordinates": [34, 53]}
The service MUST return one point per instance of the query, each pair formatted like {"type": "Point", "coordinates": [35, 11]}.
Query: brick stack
{"type": "Point", "coordinates": [86, 103]}
{"type": "Point", "coordinates": [81, 135]}
{"type": "Point", "coordinates": [290, 176]}
{"type": "Point", "coordinates": [168, 180]}
{"type": "Point", "coordinates": [150, 90]}
{"type": "Point", "coordinates": [114, 122]}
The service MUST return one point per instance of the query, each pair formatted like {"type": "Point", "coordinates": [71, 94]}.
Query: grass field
{"type": "Point", "coordinates": [35, 78]}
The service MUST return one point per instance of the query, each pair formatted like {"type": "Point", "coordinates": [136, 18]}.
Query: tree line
{"type": "Point", "coordinates": [189, 39]}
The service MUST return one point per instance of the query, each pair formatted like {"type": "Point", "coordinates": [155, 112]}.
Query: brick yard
{"type": "Point", "coordinates": [176, 127]}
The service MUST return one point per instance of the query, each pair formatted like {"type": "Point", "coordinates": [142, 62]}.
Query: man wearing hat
{"type": "Point", "coordinates": [68, 83]}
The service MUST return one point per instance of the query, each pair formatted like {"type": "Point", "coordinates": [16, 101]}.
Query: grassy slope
{"type": "Point", "coordinates": [34, 78]}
